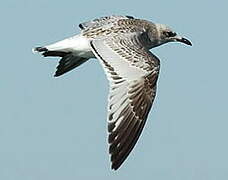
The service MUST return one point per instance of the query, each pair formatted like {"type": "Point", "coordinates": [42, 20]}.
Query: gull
{"type": "Point", "coordinates": [121, 44]}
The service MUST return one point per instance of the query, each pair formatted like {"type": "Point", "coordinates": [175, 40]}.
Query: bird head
{"type": "Point", "coordinates": [166, 34]}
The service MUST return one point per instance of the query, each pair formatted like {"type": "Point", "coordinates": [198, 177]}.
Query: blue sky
{"type": "Point", "coordinates": [55, 128]}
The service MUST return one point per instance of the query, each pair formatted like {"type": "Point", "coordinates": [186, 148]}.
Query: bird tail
{"type": "Point", "coordinates": [67, 62]}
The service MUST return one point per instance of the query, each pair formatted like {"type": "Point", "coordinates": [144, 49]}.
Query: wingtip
{"type": "Point", "coordinates": [81, 26]}
{"type": "Point", "coordinates": [115, 167]}
{"type": "Point", "coordinates": [130, 17]}
{"type": "Point", "coordinates": [56, 75]}
{"type": "Point", "coordinates": [115, 164]}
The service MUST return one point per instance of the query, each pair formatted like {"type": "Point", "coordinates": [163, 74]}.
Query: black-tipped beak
{"type": "Point", "coordinates": [184, 40]}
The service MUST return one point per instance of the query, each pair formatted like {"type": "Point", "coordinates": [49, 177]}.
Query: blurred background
{"type": "Point", "coordinates": [55, 128]}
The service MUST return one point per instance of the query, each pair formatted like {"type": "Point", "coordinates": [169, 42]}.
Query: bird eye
{"type": "Point", "coordinates": [170, 34]}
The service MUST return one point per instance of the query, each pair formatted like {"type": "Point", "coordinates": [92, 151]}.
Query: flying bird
{"type": "Point", "coordinates": [121, 44]}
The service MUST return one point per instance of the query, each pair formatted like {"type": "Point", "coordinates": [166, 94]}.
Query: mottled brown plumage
{"type": "Point", "coordinates": [121, 44]}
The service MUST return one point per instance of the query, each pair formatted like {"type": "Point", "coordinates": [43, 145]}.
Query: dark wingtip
{"type": "Point", "coordinates": [114, 168]}
{"type": "Point", "coordinates": [57, 74]}
{"type": "Point", "coordinates": [81, 26]}
{"type": "Point", "coordinates": [130, 17]}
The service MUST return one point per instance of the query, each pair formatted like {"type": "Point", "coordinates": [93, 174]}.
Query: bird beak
{"type": "Point", "coordinates": [183, 40]}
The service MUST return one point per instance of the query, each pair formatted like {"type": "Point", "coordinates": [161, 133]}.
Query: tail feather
{"type": "Point", "coordinates": [68, 61]}
{"type": "Point", "coordinates": [55, 53]}
{"type": "Point", "coordinates": [40, 49]}
{"type": "Point", "coordinates": [45, 52]}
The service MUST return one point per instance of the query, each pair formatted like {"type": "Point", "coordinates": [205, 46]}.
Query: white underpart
{"type": "Point", "coordinates": [77, 44]}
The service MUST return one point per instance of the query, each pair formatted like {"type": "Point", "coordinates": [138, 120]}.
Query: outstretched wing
{"type": "Point", "coordinates": [132, 71]}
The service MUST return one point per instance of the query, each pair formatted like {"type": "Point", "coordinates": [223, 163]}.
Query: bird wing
{"type": "Point", "coordinates": [102, 21]}
{"type": "Point", "coordinates": [132, 71]}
